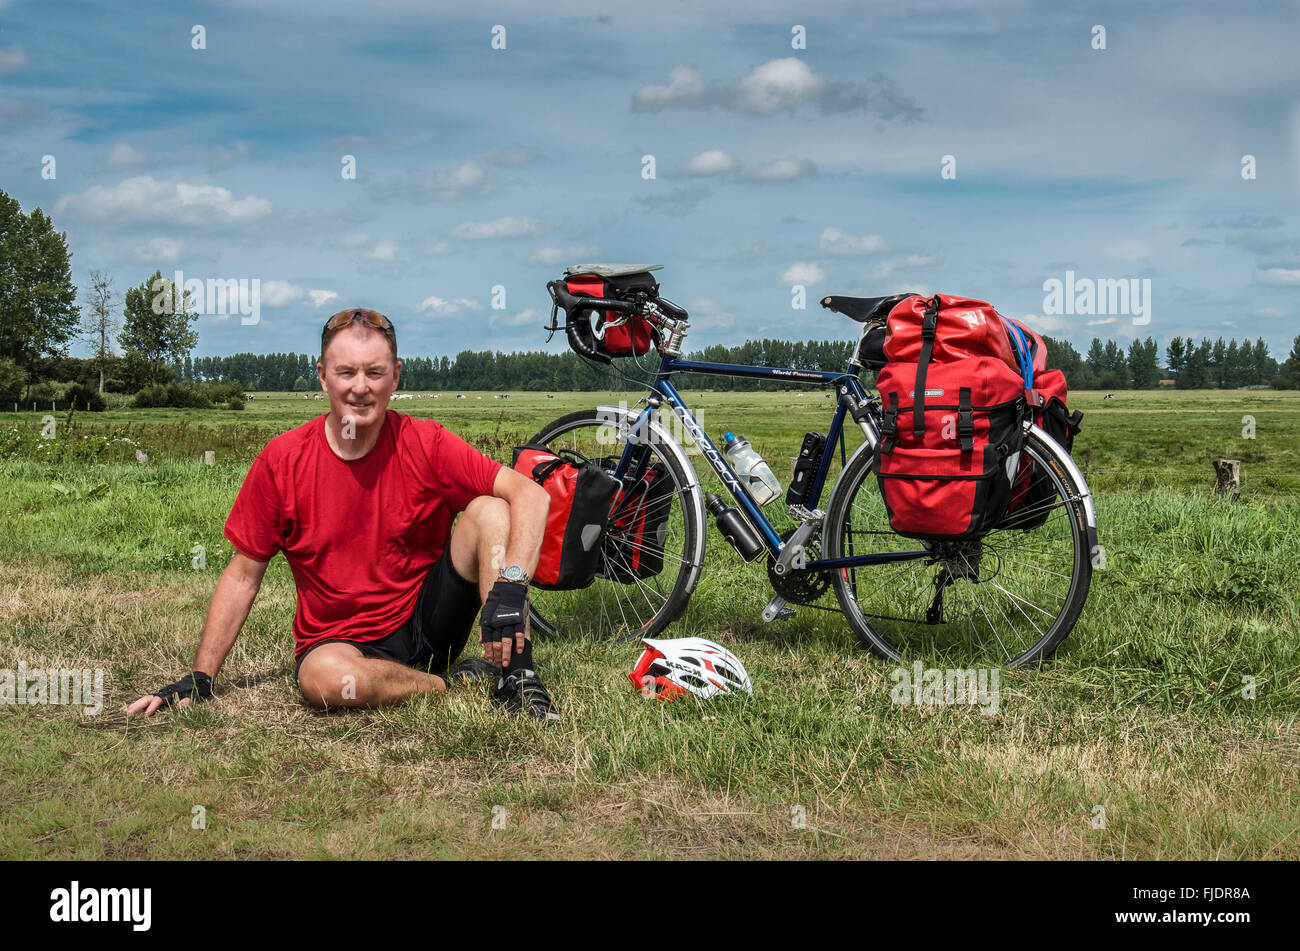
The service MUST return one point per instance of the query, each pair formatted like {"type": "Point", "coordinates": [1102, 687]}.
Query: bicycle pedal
{"type": "Point", "coordinates": [778, 610]}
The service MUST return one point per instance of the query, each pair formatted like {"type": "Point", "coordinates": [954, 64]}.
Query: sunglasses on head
{"type": "Point", "coordinates": [371, 318]}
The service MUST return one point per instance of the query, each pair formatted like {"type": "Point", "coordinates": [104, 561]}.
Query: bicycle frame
{"type": "Point", "coordinates": [850, 393]}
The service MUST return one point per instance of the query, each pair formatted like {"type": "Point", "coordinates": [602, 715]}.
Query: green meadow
{"type": "Point", "coordinates": [1164, 727]}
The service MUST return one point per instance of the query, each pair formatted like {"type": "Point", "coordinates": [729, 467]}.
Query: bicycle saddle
{"type": "Point", "coordinates": [863, 309]}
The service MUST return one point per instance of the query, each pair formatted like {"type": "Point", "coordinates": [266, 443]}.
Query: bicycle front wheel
{"type": "Point", "coordinates": [645, 578]}
{"type": "Point", "coordinates": [1006, 599]}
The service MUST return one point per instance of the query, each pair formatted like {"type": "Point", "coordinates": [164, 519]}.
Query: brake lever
{"type": "Point", "coordinates": [555, 324]}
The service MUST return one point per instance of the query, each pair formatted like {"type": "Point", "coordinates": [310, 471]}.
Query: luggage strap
{"type": "Point", "coordinates": [929, 325]}
{"type": "Point", "coordinates": [544, 470]}
{"type": "Point", "coordinates": [889, 425]}
{"type": "Point", "coordinates": [965, 421]}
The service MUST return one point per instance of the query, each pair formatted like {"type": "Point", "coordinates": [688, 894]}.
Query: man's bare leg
{"type": "Point", "coordinates": [478, 545]}
{"type": "Point", "coordinates": [339, 675]}
{"type": "Point", "coordinates": [478, 548]}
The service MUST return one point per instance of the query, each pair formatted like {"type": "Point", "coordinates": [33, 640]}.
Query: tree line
{"type": "Point", "coordinates": [1189, 364]}
{"type": "Point", "coordinates": [151, 345]}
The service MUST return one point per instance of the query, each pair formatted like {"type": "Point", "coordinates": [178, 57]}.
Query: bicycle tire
{"type": "Point", "coordinates": [889, 618]}
{"type": "Point", "coordinates": [642, 607]}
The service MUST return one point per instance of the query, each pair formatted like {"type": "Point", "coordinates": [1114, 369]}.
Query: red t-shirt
{"type": "Point", "coordinates": [359, 535]}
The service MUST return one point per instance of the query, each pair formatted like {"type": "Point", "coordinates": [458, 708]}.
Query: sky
{"type": "Point", "coordinates": [983, 149]}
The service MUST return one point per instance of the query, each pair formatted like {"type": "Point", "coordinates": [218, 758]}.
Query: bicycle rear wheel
{"type": "Point", "coordinates": [1007, 599]}
{"type": "Point", "coordinates": [625, 601]}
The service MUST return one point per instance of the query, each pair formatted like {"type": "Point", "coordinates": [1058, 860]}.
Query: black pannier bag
{"type": "Point", "coordinates": [581, 493]}
{"type": "Point", "coordinates": [871, 348]}
{"type": "Point", "coordinates": [631, 338]}
{"type": "Point", "coordinates": [638, 524]}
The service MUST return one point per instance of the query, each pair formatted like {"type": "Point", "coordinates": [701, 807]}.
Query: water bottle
{"type": "Point", "coordinates": [733, 528]}
{"type": "Point", "coordinates": [754, 473]}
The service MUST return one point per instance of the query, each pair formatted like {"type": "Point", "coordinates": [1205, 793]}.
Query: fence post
{"type": "Point", "coordinates": [1228, 474]}
{"type": "Point", "coordinates": [209, 457]}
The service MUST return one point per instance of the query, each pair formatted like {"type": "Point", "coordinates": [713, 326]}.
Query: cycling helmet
{"type": "Point", "coordinates": [670, 668]}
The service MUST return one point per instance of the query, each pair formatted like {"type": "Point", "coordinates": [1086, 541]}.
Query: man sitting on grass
{"type": "Point", "coordinates": [361, 502]}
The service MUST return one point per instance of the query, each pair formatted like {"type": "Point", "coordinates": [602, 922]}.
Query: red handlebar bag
{"type": "Point", "coordinates": [631, 338]}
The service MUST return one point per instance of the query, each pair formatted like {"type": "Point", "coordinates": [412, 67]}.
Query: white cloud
{"type": "Point", "coordinates": [802, 272]}
{"type": "Point", "coordinates": [520, 226]}
{"type": "Point", "coordinates": [1277, 275]}
{"type": "Point", "coordinates": [708, 315]}
{"type": "Point", "coordinates": [447, 308]}
{"type": "Point", "coordinates": [885, 268]}
{"type": "Point", "coordinates": [121, 155]}
{"type": "Point", "coordinates": [835, 241]}
{"type": "Point", "coordinates": [783, 170]}
{"type": "Point", "coordinates": [1104, 320]}
{"type": "Point", "coordinates": [320, 298]}
{"type": "Point", "coordinates": [461, 183]}
{"type": "Point", "coordinates": [164, 250]}
{"type": "Point", "coordinates": [777, 86]}
{"type": "Point", "coordinates": [712, 162]}
{"type": "Point", "coordinates": [555, 257]}
{"type": "Point", "coordinates": [356, 240]}
{"type": "Point", "coordinates": [437, 247]}
{"type": "Point", "coordinates": [1127, 249]}
{"type": "Point", "coordinates": [513, 157]}
{"type": "Point", "coordinates": [280, 293]}
{"type": "Point", "coordinates": [526, 316]}
{"type": "Point", "coordinates": [12, 59]}
{"type": "Point", "coordinates": [146, 200]}
{"type": "Point", "coordinates": [464, 177]}
{"type": "Point", "coordinates": [1045, 323]}
{"type": "Point", "coordinates": [686, 89]}
{"type": "Point", "coordinates": [382, 251]}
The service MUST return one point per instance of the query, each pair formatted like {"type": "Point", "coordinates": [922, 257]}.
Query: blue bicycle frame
{"type": "Point", "coordinates": [850, 393]}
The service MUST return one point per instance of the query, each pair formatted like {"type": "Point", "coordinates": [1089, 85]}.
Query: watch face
{"type": "Point", "coordinates": [513, 573]}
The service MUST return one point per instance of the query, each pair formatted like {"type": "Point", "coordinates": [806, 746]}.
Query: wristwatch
{"type": "Point", "coordinates": [513, 573]}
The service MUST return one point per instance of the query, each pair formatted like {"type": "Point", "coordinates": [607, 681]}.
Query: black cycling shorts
{"type": "Point", "coordinates": [437, 630]}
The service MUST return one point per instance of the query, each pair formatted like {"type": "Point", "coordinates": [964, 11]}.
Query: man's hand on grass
{"type": "Point", "coordinates": [191, 688]}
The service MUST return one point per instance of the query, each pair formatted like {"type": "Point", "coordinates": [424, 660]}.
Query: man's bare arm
{"type": "Point", "coordinates": [227, 612]}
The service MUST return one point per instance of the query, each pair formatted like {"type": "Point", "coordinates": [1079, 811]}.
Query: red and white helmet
{"type": "Point", "coordinates": [670, 668]}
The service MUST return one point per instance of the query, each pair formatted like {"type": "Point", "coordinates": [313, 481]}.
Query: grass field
{"type": "Point", "coordinates": [1164, 727]}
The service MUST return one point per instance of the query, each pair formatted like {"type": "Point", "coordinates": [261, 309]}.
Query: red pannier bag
{"type": "Point", "coordinates": [965, 328]}
{"type": "Point", "coordinates": [638, 525]}
{"type": "Point", "coordinates": [1032, 494]}
{"type": "Point", "coordinates": [952, 412]}
{"type": "Point", "coordinates": [631, 338]}
{"type": "Point", "coordinates": [581, 493]}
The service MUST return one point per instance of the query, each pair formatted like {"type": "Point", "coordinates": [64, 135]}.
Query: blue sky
{"type": "Point", "coordinates": [478, 167]}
